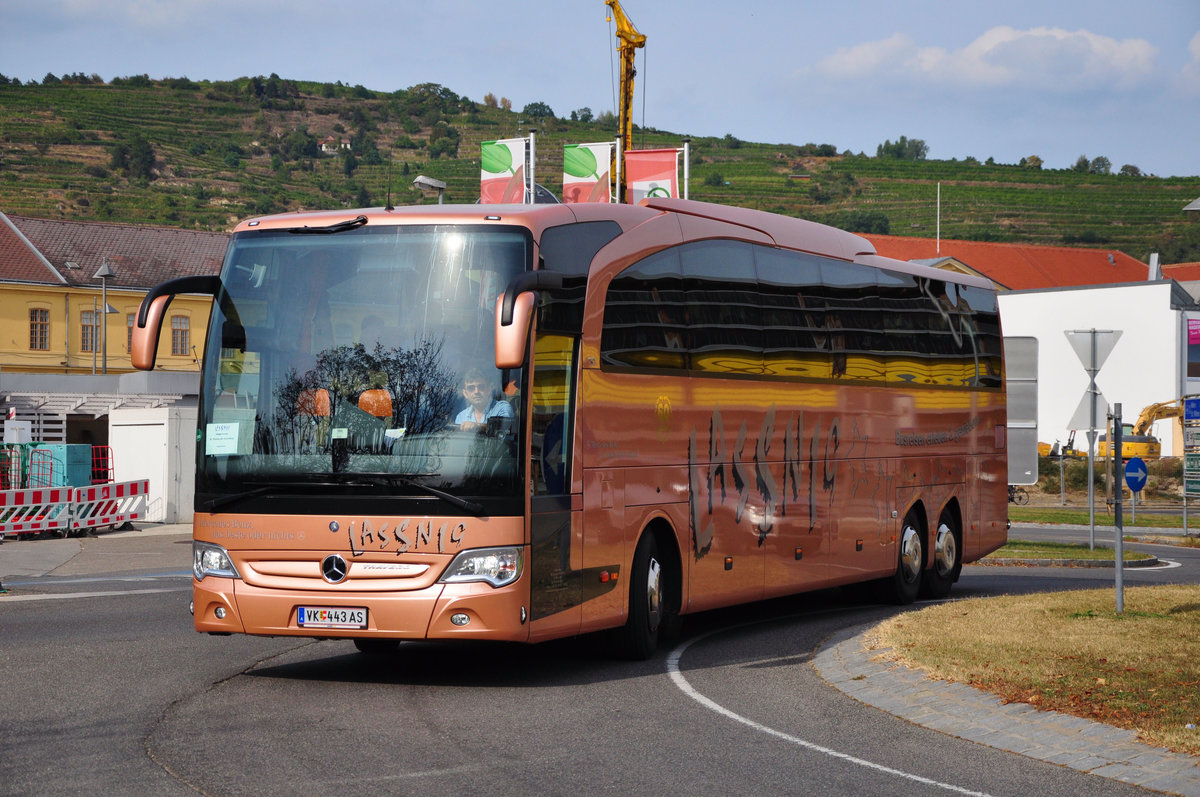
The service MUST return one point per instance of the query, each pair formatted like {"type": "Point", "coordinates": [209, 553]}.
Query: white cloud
{"type": "Point", "coordinates": [1049, 59]}
{"type": "Point", "coordinates": [1190, 75]}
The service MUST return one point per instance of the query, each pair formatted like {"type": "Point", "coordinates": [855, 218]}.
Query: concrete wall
{"type": "Point", "coordinates": [1146, 366]}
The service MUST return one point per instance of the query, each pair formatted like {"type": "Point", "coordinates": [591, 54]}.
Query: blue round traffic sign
{"type": "Point", "coordinates": [1135, 474]}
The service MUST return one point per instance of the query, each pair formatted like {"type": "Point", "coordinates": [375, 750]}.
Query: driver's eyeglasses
{"type": "Point", "coordinates": [474, 387]}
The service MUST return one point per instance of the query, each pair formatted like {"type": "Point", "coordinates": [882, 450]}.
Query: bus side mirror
{"type": "Point", "coordinates": [512, 340]}
{"type": "Point", "coordinates": [514, 314]}
{"type": "Point", "coordinates": [143, 350]}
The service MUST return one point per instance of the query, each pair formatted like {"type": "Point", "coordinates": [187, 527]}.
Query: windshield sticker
{"type": "Point", "coordinates": [221, 439]}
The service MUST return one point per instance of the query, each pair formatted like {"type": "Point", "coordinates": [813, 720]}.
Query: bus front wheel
{"type": "Point", "coordinates": [639, 637]}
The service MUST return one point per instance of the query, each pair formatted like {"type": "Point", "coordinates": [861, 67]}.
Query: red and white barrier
{"type": "Point", "coordinates": [109, 504]}
{"type": "Point", "coordinates": [36, 510]}
{"type": "Point", "coordinates": [65, 509]}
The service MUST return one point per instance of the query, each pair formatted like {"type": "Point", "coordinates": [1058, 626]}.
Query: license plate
{"type": "Point", "coordinates": [331, 617]}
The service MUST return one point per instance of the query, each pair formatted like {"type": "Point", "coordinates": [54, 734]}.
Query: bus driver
{"type": "Point", "coordinates": [480, 404]}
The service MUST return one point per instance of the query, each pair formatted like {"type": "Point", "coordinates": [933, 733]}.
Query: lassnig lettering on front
{"type": "Point", "coordinates": [407, 536]}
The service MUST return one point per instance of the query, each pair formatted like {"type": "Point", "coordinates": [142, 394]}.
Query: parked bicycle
{"type": "Point", "coordinates": [1017, 495]}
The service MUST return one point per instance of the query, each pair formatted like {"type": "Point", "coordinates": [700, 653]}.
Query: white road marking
{"type": "Point", "coordinates": [55, 596]}
{"type": "Point", "coordinates": [681, 682]}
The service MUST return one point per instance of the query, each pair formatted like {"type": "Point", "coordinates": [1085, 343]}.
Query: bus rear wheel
{"type": "Point", "coordinates": [639, 637]}
{"type": "Point", "coordinates": [905, 583]}
{"type": "Point", "coordinates": [947, 563]}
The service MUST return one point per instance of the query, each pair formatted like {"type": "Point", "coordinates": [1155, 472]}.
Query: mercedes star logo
{"type": "Point", "coordinates": [333, 568]}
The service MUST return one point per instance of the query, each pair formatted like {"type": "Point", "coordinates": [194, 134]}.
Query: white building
{"type": "Point", "coordinates": [1148, 363]}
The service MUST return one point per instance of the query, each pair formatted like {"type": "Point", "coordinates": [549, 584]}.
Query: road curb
{"type": "Point", "coordinates": [845, 663]}
{"type": "Point", "coordinates": [986, 561]}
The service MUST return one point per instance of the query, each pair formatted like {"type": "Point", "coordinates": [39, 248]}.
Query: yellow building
{"type": "Point", "coordinates": [57, 279]}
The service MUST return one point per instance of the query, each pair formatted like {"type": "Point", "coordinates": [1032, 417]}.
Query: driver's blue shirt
{"type": "Point", "coordinates": [497, 409]}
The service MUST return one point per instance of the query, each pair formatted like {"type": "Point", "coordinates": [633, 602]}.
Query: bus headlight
{"type": "Point", "coordinates": [497, 566]}
{"type": "Point", "coordinates": [211, 560]}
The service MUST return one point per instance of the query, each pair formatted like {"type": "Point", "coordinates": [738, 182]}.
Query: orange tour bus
{"type": "Point", "coordinates": [525, 422]}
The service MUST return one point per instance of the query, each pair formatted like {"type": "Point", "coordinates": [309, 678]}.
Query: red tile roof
{"type": "Point", "coordinates": [139, 256]}
{"type": "Point", "coordinates": [1018, 266]}
{"type": "Point", "coordinates": [1182, 272]}
{"type": "Point", "coordinates": [19, 260]}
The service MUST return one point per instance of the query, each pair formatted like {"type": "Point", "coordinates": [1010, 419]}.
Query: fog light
{"type": "Point", "coordinates": [459, 619]}
{"type": "Point", "coordinates": [220, 612]}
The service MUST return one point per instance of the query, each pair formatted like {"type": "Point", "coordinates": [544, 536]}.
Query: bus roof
{"type": "Point", "coordinates": [785, 231]}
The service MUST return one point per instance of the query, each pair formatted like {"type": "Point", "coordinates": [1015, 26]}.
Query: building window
{"type": "Point", "coordinates": [89, 332]}
{"type": "Point", "coordinates": [130, 320]}
{"type": "Point", "coordinates": [39, 329]}
{"type": "Point", "coordinates": [180, 338]}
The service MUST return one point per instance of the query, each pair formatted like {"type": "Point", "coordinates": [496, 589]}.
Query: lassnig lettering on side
{"type": "Point", "coordinates": [792, 487]}
{"type": "Point", "coordinates": [904, 438]}
{"type": "Point", "coordinates": [407, 536]}
{"type": "Point", "coordinates": [721, 467]}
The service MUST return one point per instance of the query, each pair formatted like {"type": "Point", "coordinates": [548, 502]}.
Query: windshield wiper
{"type": "Point", "coordinates": [213, 504]}
{"type": "Point", "coordinates": [390, 479]}
{"type": "Point", "coordinates": [341, 226]}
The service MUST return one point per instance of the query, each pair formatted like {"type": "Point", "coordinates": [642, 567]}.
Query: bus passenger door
{"type": "Point", "coordinates": [556, 515]}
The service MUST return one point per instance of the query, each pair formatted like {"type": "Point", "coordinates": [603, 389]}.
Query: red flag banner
{"type": "Point", "coordinates": [585, 172]}
{"type": "Point", "coordinates": [651, 172]}
{"type": "Point", "coordinates": [502, 176]}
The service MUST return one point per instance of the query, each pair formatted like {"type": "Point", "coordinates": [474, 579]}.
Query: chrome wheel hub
{"type": "Point", "coordinates": [911, 555]}
{"type": "Point", "coordinates": [945, 550]}
{"type": "Point", "coordinates": [653, 595]}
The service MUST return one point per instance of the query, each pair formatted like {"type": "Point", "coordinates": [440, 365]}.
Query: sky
{"type": "Point", "coordinates": [972, 78]}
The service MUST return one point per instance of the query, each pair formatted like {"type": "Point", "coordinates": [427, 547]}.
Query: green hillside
{"type": "Point", "coordinates": [203, 155]}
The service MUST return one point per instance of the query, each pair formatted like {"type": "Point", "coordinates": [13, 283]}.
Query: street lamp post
{"type": "Point", "coordinates": [102, 274]}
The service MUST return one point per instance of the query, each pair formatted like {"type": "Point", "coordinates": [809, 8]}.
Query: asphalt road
{"type": "Point", "coordinates": [106, 688]}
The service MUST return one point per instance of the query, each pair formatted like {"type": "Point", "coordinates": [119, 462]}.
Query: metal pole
{"type": "Point", "coordinates": [687, 166]}
{"type": "Point", "coordinates": [104, 320]}
{"type": "Point", "coordinates": [92, 335]}
{"type": "Point", "coordinates": [1092, 447]}
{"type": "Point", "coordinates": [1062, 480]}
{"type": "Point", "coordinates": [1120, 549]}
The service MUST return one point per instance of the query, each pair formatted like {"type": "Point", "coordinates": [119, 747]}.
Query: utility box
{"type": "Point", "coordinates": [157, 444]}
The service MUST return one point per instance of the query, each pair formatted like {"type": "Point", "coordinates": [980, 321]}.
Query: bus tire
{"type": "Point", "coordinates": [905, 583]}
{"type": "Point", "coordinates": [947, 562]}
{"type": "Point", "coordinates": [639, 637]}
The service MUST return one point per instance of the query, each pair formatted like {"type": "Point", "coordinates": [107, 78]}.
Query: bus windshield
{"type": "Point", "coordinates": [361, 359]}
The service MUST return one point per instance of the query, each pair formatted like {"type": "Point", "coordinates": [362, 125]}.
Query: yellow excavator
{"type": "Point", "coordinates": [1136, 440]}
{"type": "Point", "coordinates": [628, 41]}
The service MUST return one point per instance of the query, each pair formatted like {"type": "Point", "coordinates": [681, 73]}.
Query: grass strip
{"type": "Point", "coordinates": [1069, 652]}
{"type": "Point", "coordinates": [1028, 549]}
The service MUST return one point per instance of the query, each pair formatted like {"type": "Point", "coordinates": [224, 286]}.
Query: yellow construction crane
{"type": "Point", "coordinates": [628, 41]}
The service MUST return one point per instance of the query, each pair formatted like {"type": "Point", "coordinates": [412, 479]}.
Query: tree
{"type": "Point", "coordinates": [489, 100]}
{"type": "Point", "coordinates": [538, 110]}
{"type": "Point", "coordinates": [584, 114]}
{"type": "Point", "coordinates": [1082, 165]}
{"type": "Point", "coordinates": [505, 104]}
{"type": "Point", "coordinates": [903, 149]}
{"type": "Point", "coordinates": [1100, 165]}
{"type": "Point", "coordinates": [1129, 170]}
{"type": "Point", "coordinates": [1181, 244]}
{"type": "Point", "coordinates": [874, 222]}
{"type": "Point", "coordinates": [1031, 162]}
